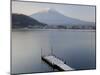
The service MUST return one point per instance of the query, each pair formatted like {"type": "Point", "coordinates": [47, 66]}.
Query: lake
{"type": "Point", "coordinates": [75, 47]}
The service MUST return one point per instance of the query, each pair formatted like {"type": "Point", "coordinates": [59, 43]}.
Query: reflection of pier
{"type": "Point", "coordinates": [55, 62]}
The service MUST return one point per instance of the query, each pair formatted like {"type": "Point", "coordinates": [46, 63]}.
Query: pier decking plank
{"type": "Point", "coordinates": [56, 62]}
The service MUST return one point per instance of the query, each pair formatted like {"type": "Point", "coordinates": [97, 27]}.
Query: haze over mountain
{"type": "Point", "coordinates": [53, 17]}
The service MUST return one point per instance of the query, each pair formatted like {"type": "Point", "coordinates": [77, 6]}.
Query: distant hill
{"type": "Point", "coordinates": [22, 21]}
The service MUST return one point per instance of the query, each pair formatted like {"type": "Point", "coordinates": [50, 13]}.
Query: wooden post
{"type": "Point", "coordinates": [51, 51]}
{"type": "Point", "coordinates": [41, 59]}
{"type": "Point", "coordinates": [41, 52]}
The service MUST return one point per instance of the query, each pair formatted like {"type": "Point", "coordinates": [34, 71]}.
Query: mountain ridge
{"type": "Point", "coordinates": [22, 21]}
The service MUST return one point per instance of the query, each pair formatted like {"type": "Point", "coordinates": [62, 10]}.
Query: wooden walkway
{"type": "Point", "coordinates": [56, 63]}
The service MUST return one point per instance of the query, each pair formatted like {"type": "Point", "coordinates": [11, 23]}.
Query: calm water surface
{"type": "Point", "coordinates": [75, 47]}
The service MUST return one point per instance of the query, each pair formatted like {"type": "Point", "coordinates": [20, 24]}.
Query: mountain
{"type": "Point", "coordinates": [53, 17]}
{"type": "Point", "coordinates": [22, 21]}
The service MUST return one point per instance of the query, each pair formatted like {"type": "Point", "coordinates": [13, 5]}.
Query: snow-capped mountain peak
{"type": "Point", "coordinates": [54, 17]}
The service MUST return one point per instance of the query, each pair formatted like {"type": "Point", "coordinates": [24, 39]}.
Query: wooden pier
{"type": "Point", "coordinates": [56, 63]}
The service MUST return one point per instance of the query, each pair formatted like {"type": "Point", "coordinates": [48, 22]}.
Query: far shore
{"type": "Point", "coordinates": [53, 29]}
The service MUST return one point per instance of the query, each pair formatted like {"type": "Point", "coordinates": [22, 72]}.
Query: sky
{"type": "Point", "coordinates": [82, 12]}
